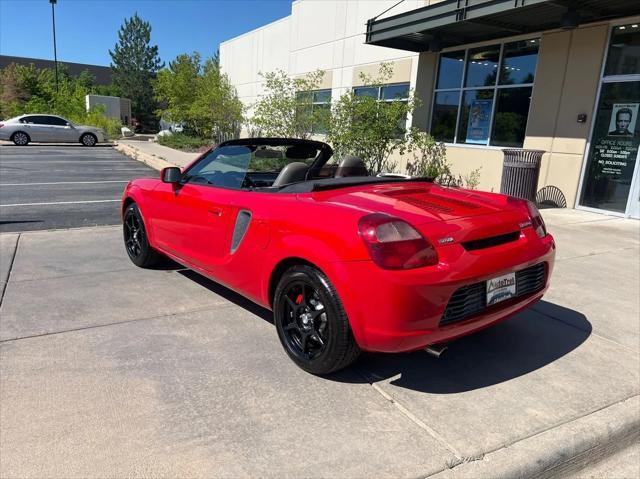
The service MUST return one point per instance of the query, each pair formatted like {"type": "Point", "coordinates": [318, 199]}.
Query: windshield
{"type": "Point", "coordinates": [248, 166]}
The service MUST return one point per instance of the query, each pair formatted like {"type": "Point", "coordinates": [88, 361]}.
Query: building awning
{"type": "Point", "coordinates": [457, 22]}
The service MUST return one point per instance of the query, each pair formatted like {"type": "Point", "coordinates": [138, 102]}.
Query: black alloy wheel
{"type": "Point", "coordinates": [311, 322]}
{"type": "Point", "coordinates": [135, 239]}
{"type": "Point", "coordinates": [305, 321]}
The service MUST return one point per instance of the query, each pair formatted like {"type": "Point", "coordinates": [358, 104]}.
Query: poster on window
{"type": "Point", "coordinates": [623, 119]}
{"type": "Point", "coordinates": [479, 121]}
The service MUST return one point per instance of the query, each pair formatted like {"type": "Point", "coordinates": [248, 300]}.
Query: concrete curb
{"type": "Point", "coordinates": [561, 450]}
{"type": "Point", "coordinates": [155, 162]}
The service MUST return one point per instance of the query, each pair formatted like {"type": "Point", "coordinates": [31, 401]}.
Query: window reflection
{"type": "Point", "coordinates": [482, 66]}
{"type": "Point", "coordinates": [624, 51]}
{"type": "Point", "coordinates": [519, 62]}
{"type": "Point", "coordinates": [450, 70]}
{"type": "Point", "coordinates": [510, 119]}
{"type": "Point", "coordinates": [445, 113]}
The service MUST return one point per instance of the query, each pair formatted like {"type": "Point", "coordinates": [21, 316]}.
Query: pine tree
{"type": "Point", "coordinates": [134, 64]}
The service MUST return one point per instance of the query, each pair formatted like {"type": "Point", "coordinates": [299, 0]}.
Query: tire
{"type": "Point", "coordinates": [20, 138]}
{"type": "Point", "coordinates": [311, 322]}
{"type": "Point", "coordinates": [88, 139]}
{"type": "Point", "coordinates": [136, 240]}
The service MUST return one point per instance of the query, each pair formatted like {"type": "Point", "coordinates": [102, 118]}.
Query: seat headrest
{"type": "Point", "coordinates": [292, 173]}
{"type": "Point", "coordinates": [351, 166]}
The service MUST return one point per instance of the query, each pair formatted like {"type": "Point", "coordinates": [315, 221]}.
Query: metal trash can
{"type": "Point", "coordinates": [520, 172]}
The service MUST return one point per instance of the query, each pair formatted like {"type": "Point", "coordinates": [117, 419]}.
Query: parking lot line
{"type": "Point", "coordinates": [65, 183]}
{"type": "Point", "coordinates": [60, 203]}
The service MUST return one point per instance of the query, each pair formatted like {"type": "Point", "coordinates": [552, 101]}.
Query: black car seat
{"type": "Point", "coordinates": [351, 166]}
{"type": "Point", "coordinates": [292, 173]}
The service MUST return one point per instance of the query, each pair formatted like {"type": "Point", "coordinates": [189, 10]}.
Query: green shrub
{"type": "Point", "coordinates": [181, 141]}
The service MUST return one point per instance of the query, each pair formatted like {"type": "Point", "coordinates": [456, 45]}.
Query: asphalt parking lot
{"type": "Point", "coordinates": [108, 370]}
{"type": "Point", "coordinates": [54, 186]}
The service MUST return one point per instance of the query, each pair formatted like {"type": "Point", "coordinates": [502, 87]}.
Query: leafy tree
{"type": "Point", "coordinates": [175, 86]}
{"type": "Point", "coordinates": [216, 107]}
{"type": "Point", "coordinates": [199, 96]}
{"type": "Point", "coordinates": [428, 157]}
{"type": "Point", "coordinates": [368, 128]}
{"type": "Point", "coordinates": [285, 108]}
{"type": "Point", "coordinates": [134, 62]}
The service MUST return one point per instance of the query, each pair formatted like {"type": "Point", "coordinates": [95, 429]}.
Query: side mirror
{"type": "Point", "coordinates": [171, 174]}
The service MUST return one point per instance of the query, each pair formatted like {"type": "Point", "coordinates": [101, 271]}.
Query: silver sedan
{"type": "Point", "coordinates": [48, 129]}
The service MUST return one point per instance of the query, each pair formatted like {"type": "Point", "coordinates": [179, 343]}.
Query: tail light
{"type": "Point", "coordinates": [536, 220]}
{"type": "Point", "coordinates": [394, 243]}
{"type": "Point", "coordinates": [534, 215]}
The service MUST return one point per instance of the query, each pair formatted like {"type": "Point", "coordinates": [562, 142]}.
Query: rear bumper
{"type": "Point", "coordinates": [395, 311]}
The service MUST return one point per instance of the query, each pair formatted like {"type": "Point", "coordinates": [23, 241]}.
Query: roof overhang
{"type": "Point", "coordinates": [457, 22]}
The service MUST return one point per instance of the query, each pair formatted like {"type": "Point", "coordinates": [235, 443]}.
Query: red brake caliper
{"type": "Point", "coordinates": [299, 299]}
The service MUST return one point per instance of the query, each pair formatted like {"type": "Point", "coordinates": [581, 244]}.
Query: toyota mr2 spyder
{"type": "Point", "coordinates": [346, 261]}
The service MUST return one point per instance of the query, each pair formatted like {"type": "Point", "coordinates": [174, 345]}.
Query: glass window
{"type": "Point", "coordinates": [47, 120]}
{"type": "Point", "coordinates": [224, 167]}
{"type": "Point", "coordinates": [488, 111]}
{"type": "Point", "coordinates": [475, 116]}
{"type": "Point", "coordinates": [57, 121]}
{"type": "Point", "coordinates": [387, 93]}
{"type": "Point", "coordinates": [482, 66]}
{"type": "Point", "coordinates": [322, 96]}
{"type": "Point", "coordinates": [613, 150]}
{"type": "Point", "coordinates": [624, 51]}
{"type": "Point", "coordinates": [315, 106]}
{"type": "Point", "coordinates": [372, 91]}
{"type": "Point", "coordinates": [445, 114]}
{"type": "Point", "coordinates": [395, 92]}
{"type": "Point", "coordinates": [519, 62]}
{"type": "Point", "coordinates": [450, 70]}
{"type": "Point", "coordinates": [510, 119]}
{"type": "Point", "coordinates": [248, 166]}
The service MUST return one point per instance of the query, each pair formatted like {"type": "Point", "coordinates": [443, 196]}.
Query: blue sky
{"type": "Point", "coordinates": [87, 29]}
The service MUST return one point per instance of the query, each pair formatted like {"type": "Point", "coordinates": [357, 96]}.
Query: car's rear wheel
{"type": "Point", "coordinates": [88, 139]}
{"type": "Point", "coordinates": [311, 322]}
{"type": "Point", "coordinates": [20, 138]}
{"type": "Point", "coordinates": [136, 240]}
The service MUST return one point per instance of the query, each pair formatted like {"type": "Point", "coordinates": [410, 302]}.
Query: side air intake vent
{"type": "Point", "coordinates": [242, 225]}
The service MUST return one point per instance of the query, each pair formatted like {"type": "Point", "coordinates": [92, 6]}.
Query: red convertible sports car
{"type": "Point", "coordinates": [346, 261]}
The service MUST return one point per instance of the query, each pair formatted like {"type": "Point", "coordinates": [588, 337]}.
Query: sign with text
{"type": "Point", "coordinates": [479, 122]}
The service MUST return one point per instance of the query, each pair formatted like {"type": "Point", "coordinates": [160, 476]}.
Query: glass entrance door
{"type": "Point", "coordinates": [611, 174]}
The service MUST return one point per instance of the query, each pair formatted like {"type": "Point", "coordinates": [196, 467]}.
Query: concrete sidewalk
{"type": "Point", "coordinates": [154, 154]}
{"type": "Point", "coordinates": [110, 370]}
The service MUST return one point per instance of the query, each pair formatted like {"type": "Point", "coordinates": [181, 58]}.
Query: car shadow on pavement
{"type": "Point", "coordinates": [227, 294]}
{"type": "Point", "coordinates": [518, 346]}
{"type": "Point", "coordinates": [529, 341]}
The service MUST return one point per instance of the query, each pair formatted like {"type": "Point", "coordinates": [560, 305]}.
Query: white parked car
{"type": "Point", "coordinates": [48, 129]}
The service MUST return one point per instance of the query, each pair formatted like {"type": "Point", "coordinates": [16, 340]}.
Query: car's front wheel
{"type": "Point", "coordinates": [311, 322]}
{"type": "Point", "coordinates": [20, 138]}
{"type": "Point", "coordinates": [88, 139]}
{"type": "Point", "coordinates": [136, 240]}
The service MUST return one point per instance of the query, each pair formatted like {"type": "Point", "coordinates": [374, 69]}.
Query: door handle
{"type": "Point", "coordinates": [215, 211]}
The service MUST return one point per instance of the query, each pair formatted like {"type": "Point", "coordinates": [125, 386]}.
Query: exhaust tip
{"type": "Point", "coordinates": [436, 350]}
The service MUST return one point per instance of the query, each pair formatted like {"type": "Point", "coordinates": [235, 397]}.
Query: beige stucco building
{"type": "Point", "coordinates": [531, 74]}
